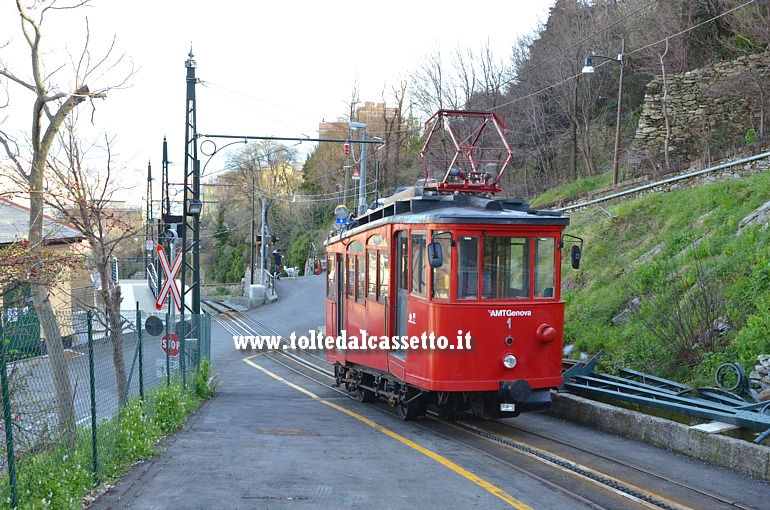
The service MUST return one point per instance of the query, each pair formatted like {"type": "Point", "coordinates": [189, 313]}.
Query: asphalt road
{"type": "Point", "coordinates": [273, 439]}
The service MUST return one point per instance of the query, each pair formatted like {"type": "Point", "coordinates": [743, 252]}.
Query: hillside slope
{"type": "Point", "coordinates": [670, 285]}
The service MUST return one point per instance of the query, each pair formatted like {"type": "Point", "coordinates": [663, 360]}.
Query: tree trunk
{"type": "Point", "coordinates": [59, 372]}
{"type": "Point", "coordinates": [112, 299]}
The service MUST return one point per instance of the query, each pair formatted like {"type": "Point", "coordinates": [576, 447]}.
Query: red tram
{"type": "Point", "coordinates": [446, 296]}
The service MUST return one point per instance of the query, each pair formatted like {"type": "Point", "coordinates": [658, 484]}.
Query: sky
{"type": "Point", "coordinates": [275, 68]}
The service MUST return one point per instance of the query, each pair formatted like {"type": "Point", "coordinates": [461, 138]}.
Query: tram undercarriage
{"type": "Point", "coordinates": [412, 402]}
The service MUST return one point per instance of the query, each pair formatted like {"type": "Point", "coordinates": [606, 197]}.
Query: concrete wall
{"type": "Point", "coordinates": [736, 454]}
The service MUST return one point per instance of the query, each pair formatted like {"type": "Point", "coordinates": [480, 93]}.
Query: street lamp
{"type": "Point", "coordinates": [194, 207]}
{"type": "Point", "coordinates": [362, 183]}
{"type": "Point", "coordinates": [588, 69]}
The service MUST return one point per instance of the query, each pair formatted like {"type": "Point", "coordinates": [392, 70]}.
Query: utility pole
{"type": "Point", "coordinates": [362, 206]}
{"type": "Point", "coordinates": [165, 211]}
{"type": "Point", "coordinates": [191, 207]}
{"type": "Point", "coordinates": [253, 226]}
{"type": "Point", "coordinates": [148, 219]}
{"type": "Point", "coordinates": [263, 247]}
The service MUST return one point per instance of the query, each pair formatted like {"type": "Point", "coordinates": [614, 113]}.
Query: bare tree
{"type": "Point", "coordinates": [84, 199]}
{"type": "Point", "coordinates": [664, 104]}
{"type": "Point", "coordinates": [433, 87]}
{"type": "Point", "coordinates": [51, 106]}
{"type": "Point", "coordinates": [395, 161]}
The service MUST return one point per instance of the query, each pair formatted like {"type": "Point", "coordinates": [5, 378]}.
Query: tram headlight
{"type": "Point", "coordinates": [509, 361]}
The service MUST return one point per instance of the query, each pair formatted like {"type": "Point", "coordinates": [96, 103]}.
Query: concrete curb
{"type": "Point", "coordinates": [719, 450]}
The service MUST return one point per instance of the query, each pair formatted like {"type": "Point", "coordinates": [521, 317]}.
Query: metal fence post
{"type": "Point", "coordinates": [168, 339]}
{"type": "Point", "coordinates": [92, 379]}
{"type": "Point", "coordinates": [141, 360]}
{"type": "Point", "coordinates": [8, 423]}
{"type": "Point", "coordinates": [182, 355]}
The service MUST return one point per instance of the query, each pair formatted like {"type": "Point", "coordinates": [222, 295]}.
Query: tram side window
{"type": "Point", "coordinates": [350, 279]}
{"type": "Point", "coordinates": [468, 262]}
{"type": "Point", "coordinates": [545, 251]}
{"type": "Point", "coordinates": [360, 278]}
{"type": "Point", "coordinates": [371, 273]}
{"type": "Point", "coordinates": [331, 273]}
{"type": "Point", "coordinates": [505, 268]}
{"type": "Point", "coordinates": [418, 264]}
{"type": "Point", "coordinates": [384, 276]}
{"type": "Point", "coordinates": [441, 276]}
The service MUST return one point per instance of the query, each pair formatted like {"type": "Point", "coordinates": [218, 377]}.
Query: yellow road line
{"type": "Point", "coordinates": [431, 454]}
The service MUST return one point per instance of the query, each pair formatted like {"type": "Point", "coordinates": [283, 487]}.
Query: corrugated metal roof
{"type": "Point", "coordinates": [14, 225]}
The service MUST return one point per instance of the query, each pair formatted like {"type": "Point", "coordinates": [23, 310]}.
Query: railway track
{"type": "Point", "coordinates": [596, 479]}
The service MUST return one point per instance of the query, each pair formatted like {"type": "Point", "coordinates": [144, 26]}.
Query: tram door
{"type": "Point", "coordinates": [402, 287]}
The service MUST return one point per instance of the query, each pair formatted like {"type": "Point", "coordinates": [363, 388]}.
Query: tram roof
{"type": "Point", "coordinates": [460, 209]}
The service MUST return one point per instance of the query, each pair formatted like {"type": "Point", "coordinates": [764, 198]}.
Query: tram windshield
{"type": "Point", "coordinates": [505, 270]}
{"type": "Point", "coordinates": [506, 266]}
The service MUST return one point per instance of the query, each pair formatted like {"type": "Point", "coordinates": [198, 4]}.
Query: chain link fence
{"type": "Point", "coordinates": [62, 400]}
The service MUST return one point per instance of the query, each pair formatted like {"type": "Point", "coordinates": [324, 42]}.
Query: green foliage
{"type": "Point", "coordinates": [55, 480]}
{"type": "Point", "coordinates": [573, 189]}
{"type": "Point", "coordinates": [172, 405]}
{"type": "Point", "coordinates": [229, 264]}
{"type": "Point", "coordinates": [222, 233]}
{"type": "Point", "coordinates": [751, 137]}
{"type": "Point", "coordinates": [136, 433]}
{"type": "Point", "coordinates": [754, 336]}
{"type": "Point", "coordinates": [298, 250]}
{"type": "Point", "coordinates": [203, 390]}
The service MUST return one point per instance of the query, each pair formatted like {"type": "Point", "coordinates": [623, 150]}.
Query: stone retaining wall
{"type": "Point", "coordinates": [714, 105]}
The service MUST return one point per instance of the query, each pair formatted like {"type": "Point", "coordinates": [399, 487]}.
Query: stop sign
{"type": "Point", "coordinates": [171, 346]}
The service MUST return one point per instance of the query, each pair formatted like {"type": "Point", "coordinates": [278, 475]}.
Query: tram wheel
{"type": "Point", "coordinates": [409, 411]}
{"type": "Point", "coordinates": [365, 395]}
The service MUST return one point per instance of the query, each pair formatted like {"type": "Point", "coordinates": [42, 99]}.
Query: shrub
{"type": "Point", "coordinates": [136, 433]}
{"type": "Point", "coordinates": [171, 407]}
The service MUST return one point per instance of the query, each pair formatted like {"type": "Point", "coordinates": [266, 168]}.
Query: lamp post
{"type": "Point", "coordinates": [589, 68]}
{"type": "Point", "coordinates": [362, 182]}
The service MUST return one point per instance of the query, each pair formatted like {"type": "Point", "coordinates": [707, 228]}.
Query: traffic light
{"type": "Point", "coordinates": [347, 148]}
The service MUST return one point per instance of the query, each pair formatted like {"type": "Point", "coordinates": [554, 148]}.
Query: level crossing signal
{"type": "Point", "coordinates": [169, 284]}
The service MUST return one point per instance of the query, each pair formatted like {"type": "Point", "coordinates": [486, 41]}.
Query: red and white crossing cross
{"type": "Point", "coordinates": [170, 279]}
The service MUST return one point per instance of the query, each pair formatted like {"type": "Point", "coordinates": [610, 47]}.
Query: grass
{"type": "Point", "coordinates": [679, 254]}
{"type": "Point", "coordinates": [573, 189]}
